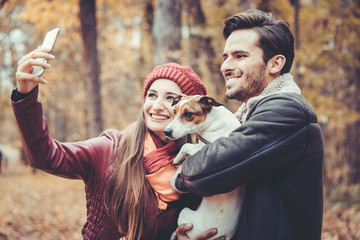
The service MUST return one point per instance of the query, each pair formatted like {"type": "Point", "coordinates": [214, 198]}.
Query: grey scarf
{"type": "Point", "coordinates": [281, 84]}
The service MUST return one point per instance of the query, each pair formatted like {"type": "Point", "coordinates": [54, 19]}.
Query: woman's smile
{"type": "Point", "coordinates": [158, 116]}
{"type": "Point", "coordinates": [157, 107]}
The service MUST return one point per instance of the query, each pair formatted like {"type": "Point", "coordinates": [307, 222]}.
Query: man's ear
{"type": "Point", "coordinates": [276, 64]}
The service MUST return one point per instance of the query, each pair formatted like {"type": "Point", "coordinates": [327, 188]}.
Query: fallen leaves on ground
{"type": "Point", "coordinates": [42, 206]}
{"type": "Point", "coordinates": [341, 222]}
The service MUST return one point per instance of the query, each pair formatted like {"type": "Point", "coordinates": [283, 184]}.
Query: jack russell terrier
{"type": "Point", "coordinates": [210, 120]}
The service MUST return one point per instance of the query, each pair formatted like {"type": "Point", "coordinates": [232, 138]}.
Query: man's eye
{"type": "Point", "coordinates": [188, 114]}
{"type": "Point", "coordinates": [240, 56]}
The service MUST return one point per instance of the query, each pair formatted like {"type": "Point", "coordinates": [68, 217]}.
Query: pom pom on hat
{"type": "Point", "coordinates": [183, 76]}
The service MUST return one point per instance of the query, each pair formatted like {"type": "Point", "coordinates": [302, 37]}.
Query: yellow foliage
{"type": "Point", "coordinates": [45, 15]}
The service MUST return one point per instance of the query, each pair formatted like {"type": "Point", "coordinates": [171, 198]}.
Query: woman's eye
{"type": "Point", "coordinates": [188, 114]}
{"type": "Point", "coordinates": [240, 56]}
{"type": "Point", "coordinates": [152, 95]}
{"type": "Point", "coordinates": [171, 98]}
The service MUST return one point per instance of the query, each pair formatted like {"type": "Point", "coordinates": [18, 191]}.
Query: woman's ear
{"type": "Point", "coordinates": [276, 64]}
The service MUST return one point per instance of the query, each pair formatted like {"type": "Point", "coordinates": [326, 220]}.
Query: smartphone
{"type": "Point", "coordinates": [48, 42]}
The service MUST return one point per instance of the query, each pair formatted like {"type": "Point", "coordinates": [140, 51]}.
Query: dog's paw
{"type": "Point", "coordinates": [173, 181]}
{"type": "Point", "coordinates": [187, 149]}
{"type": "Point", "coordinates": [173, 236]}
{"type": "Point", "coordinates": [179, 158]}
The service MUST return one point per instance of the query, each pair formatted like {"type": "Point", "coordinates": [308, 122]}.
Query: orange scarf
{"type": "Point", "coordinates": [159, 169]}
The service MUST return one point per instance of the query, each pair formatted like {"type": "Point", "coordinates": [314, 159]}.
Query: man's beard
{"type": "Point", "coordinates": [256, 84]}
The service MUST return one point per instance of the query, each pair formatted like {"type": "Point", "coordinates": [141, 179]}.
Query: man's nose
{"type": "Point", "coordinates": [227, 68]}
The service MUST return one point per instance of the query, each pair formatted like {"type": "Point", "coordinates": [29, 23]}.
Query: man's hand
{"type": "Point", "coordinates": [26, 81]}
{"type": "Point", "coordinates": [183, 228]}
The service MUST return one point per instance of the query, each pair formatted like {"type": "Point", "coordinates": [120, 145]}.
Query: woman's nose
{"type": "Point", "coordinates": [159, 105]}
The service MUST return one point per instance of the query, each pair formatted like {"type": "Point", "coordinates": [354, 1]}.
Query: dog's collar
{"type": "Point", "coordinates": [202, 139]}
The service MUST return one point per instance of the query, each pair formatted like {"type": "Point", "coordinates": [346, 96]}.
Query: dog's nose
{"type": "Point", "coordinates": [168, 132]}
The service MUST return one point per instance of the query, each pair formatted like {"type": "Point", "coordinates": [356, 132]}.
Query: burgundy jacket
{"type": "Point", "coordinates": [90, 161]}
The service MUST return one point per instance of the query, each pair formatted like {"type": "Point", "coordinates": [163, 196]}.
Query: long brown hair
{"type": "Point", "coordinates": [125, 196]}
{"type": "Point", "coordinates": [128, 189]}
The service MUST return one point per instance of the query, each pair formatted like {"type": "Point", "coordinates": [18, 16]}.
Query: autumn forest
{"type": "Point", "coordinates": [104, 51]}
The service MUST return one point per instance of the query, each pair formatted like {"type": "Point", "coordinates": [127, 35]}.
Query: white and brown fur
{"type": "Point", "coordinates": [210, 120]}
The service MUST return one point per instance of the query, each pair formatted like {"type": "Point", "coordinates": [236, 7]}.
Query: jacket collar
{"type": "Point", "coordinates": [281, 84]}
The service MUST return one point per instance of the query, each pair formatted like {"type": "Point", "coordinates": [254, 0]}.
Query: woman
{"type": "Point", "coordinates": [126, 173]}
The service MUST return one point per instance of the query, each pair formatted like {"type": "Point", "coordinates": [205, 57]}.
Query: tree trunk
{"type": "Point", "coordinates": [349, 46]}
{"type": "Point", "coordinates": [353, 134]}
{"type": "Point", "coordinates": [167, 31]}
{"type": "Point", "coordinates": [264, 5]}
{"type": "Point", "coordinates": [149, 15]}
{"type": "Point", "coordinates": [296, 5]}
{"type": "Point", "coordinates": [353, 155]}
{"type": "Point", "coordinates": [2, 3]}
{"type": "Point", "coordinates": [88, 31]}
{"type": "Point", "coordinates": [201, 53]}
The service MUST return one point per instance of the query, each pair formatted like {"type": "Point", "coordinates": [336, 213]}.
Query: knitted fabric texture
{"type": "Point", "coordinates": [281, 84]}
{"type": "Point", "coordinates": [183, 76]}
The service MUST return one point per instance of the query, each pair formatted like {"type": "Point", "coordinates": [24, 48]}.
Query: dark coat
{"type": "Point", "coordinates": [278, 155]}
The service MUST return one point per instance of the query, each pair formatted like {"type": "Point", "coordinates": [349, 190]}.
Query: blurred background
{"type": "Point", "coordinates": [104, 51]}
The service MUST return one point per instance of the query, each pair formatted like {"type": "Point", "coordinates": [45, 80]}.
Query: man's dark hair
{"type": "Point", "coordinates": [275, 35]}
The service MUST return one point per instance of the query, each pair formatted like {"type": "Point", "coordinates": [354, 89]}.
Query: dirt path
{"type": "Point", "coordinates": [39, 206]}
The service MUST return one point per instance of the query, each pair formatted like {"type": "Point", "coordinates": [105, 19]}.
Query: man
{"type": "Point", "coordinates": [277, 152]}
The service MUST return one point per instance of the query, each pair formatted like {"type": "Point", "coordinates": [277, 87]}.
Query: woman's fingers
{"type": "Point", "coordinates": [27, 66]}
{"type": "Point", "coordinates": [26, 82]}
{"type": "Point", "coordinates": [37, 53]}
{"type": "Point", "coordinates": [24, 77]}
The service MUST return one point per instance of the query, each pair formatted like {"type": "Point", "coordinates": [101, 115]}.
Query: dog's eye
{"type": "Point", "coordinates": [188, 114]}
{"type": "Point", "coordinates": [174, 111]}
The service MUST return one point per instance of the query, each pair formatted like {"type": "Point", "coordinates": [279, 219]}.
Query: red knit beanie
{"type": "Point", "coordinates": [183, 76]}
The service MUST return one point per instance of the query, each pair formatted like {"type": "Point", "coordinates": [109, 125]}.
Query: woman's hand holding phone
{"type": "Point", "coordinates": [26, 80]}
{"type": "Point", "coordinates": [31, 66]}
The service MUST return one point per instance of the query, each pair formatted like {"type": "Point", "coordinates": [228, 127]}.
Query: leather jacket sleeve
{"type": "Point", "coordinates": [76, 160]}
{"type": "Point", "coordinates": [274, 136]}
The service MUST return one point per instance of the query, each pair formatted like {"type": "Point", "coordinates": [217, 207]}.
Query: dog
{"type": "Point", "coordinates": [209, 119]}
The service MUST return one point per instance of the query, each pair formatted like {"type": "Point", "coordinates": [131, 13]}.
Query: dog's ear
{"type": "Point", "coordinates": [177, 99]}
{"type": "Point", "coordinates": [207, 100]}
